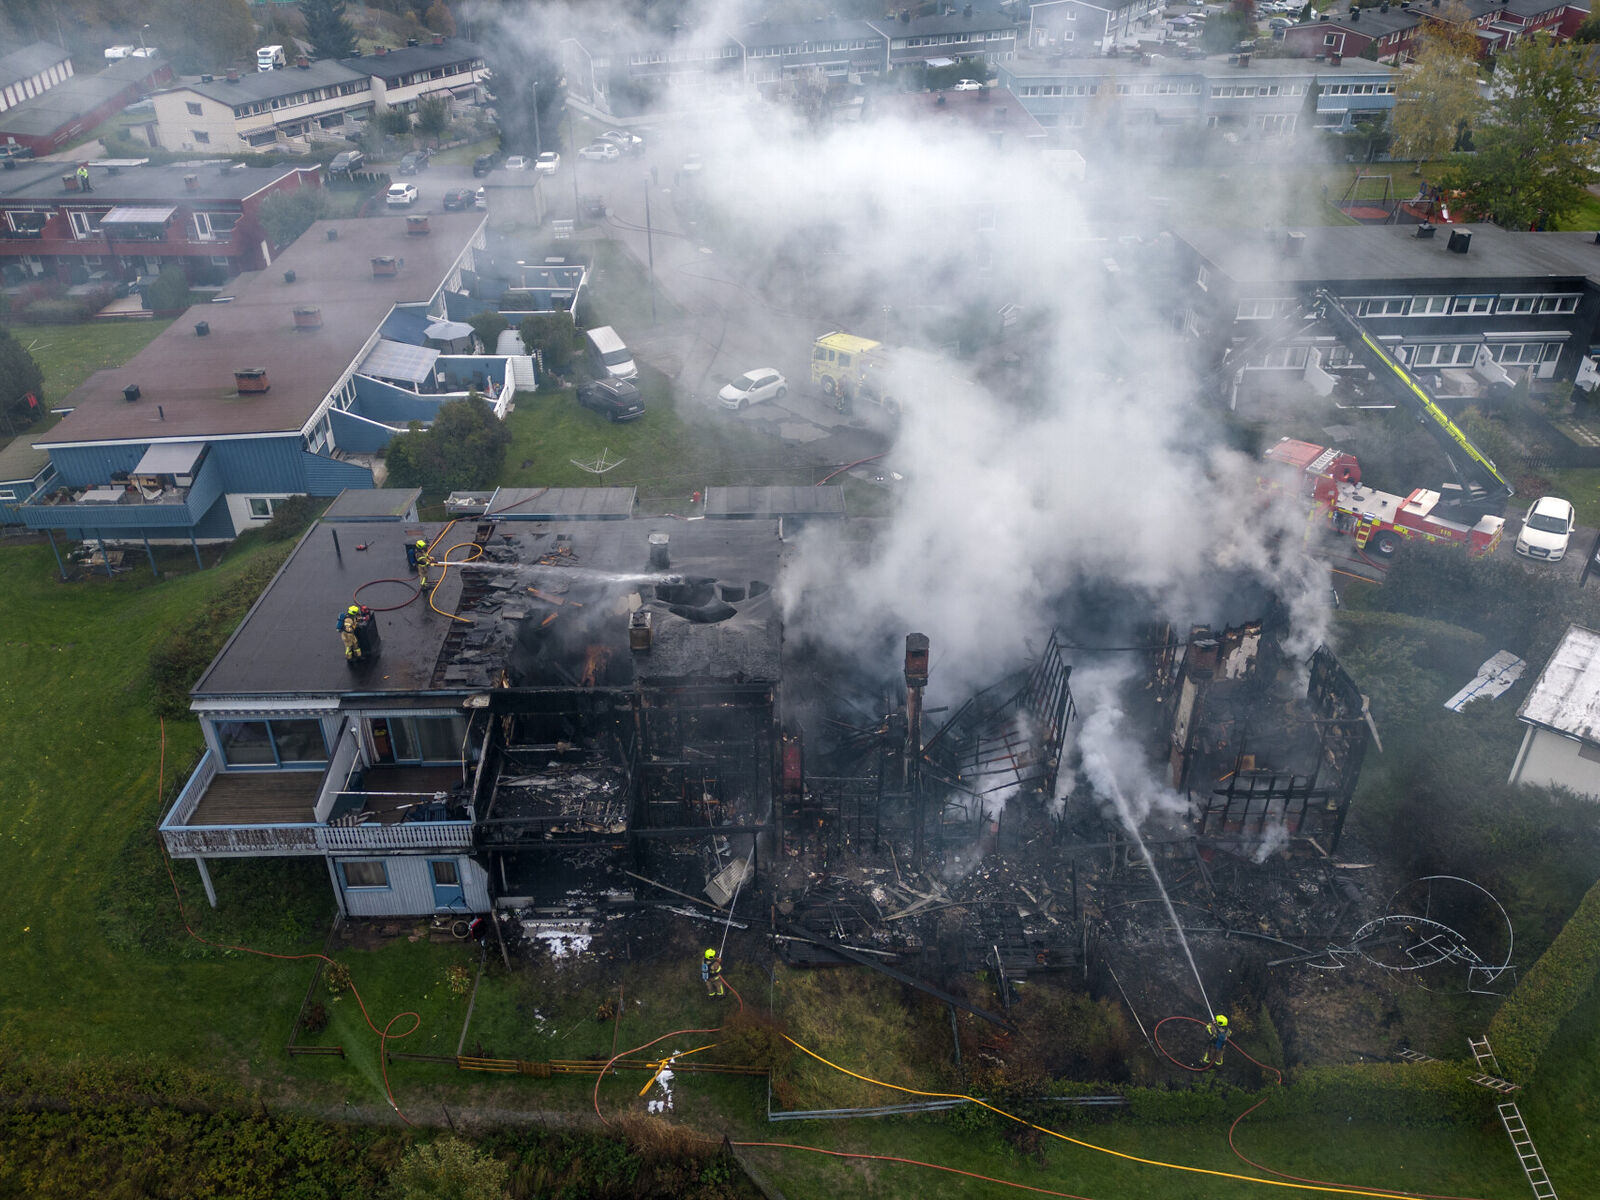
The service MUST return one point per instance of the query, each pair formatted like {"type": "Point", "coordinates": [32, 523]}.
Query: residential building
{"type": "Point", "coordinates": [288, 384]}
{"type": "Point", "coordinates": [24, 470]}
{"type": "Point", "coordinates": [47, 122]}
{"type": "Point", "coordinates": [31, 70]}
{"type": "Point", "coordinates": [688, 62]}
{"type": "Point", "coordinates": [626, 710]}
{"type": "Point", "coordinates": [1479, 304]}
{"type": "Point", "coordinates": [992, 112]}
{"type": "Point", "coordinates": [772, 53]}
{"type": "Point", "coordinates": [980, 33]}
{"type": "Point", "coordinates": [1561, 745]}
{"type": "Point", "coordinates": [1251, 98]}
{"type": "Point", "coordinates": [1085, 28]}
{"type": "Point", "coordinates": [137, 218]}
{"type": "Point", "coordinates": [1390, 31]}
{"type": "Point", "coordinates": [310, 102]}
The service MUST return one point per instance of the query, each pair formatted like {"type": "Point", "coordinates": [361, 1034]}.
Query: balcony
{"type": "Point", "coordinates": [119, 506]}
{"type": "Point", "coordinates": [254, 814]}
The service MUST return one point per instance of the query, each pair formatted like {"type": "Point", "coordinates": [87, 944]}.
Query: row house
{"type": "Point", "coordinates": [30, 71]}
{"type": "Point", "coordinates": [689, 61]}
{"type": "Point", "coordinates": [290, 383]}
{"type": "Point", "coordinates": [136, 219]}
{"type": "Point", "coordinates": [321, 101]}
{"type": "Point", "coordinates": [1390, 32]}
{"type": "Point", "coordinates": [1481, 304]}
{"type": "Point", "coordinates": [1080, 28]}
{"type": "Point", "coordinates": [1253, 99]}
{"type": "Point", "coordinates": [74, 107]}
{"type": "Point", "coordinates": [970, 33]}
{"type": "Point", "coordinates": [773, 52]}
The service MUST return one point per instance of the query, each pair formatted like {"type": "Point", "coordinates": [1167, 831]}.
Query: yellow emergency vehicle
{"type": "Point", "coordinates": [849, 368]}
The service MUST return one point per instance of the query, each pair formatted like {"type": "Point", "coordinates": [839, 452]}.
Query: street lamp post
{"type": "Point", "coordinates": [142, 28]}
{"type": "Point", "coordinates": [538, 141]}
{"type": "Point", "coordinates": [650, 247]}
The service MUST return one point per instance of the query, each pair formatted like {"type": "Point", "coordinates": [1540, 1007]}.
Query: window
{"type": "Point", "coordinates": [1442, 354]}
{"type": "Point", "coordinates": [1257, 310]}
{"type": "Point", "coordinates": [366, 873]}
{"type": "Point", "coordinates": [260, 508]}
{"type": "Point", "coordinates": [215, 226]}
{"type": "Point", "coordinates": [27, 222]}
{"type": "Point", "coordinates": [1430, 306]}
{"type": "Point", "coordinates": [271, 743]}
{"type": "Point", "coordinates": [1513, 354]}
{"type": "Point", "coordinates": [194, 108]}
{"type": "Point", "coordinates": [1383, 306]}
{"type": "Point", "coordinates": [1516, 304]}
{"type": "Point", "coordinates": [7, 494]}
{"type": "Point", "coordinates": [1473, 304]}
{"type": "Point", "coordinates": [445, 872]}
{"type": "Point", "coordinates": [1558, 304]}
{"type": "Point", "coordinates": [1203, 279]}
{"type": "Point", "coordinates": [86, 224]}
{"type": "Point", "coordinates": [200, 136]}
{"type": "Point", "coordinates": [427, 739]}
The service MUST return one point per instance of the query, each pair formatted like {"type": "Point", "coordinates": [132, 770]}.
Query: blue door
{"type": "Point", "coordinates": [447, 889]}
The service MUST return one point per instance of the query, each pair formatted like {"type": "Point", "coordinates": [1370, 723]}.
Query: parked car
{"type": "Point", "coordinates": [1547, 529]}
{"type": "Point", "coordinates": [347, 162]}
{"type": "Point", "coordinates": [968, 85]}
{"type": "Point", "coordinates": [483, 164]}
{"type": "Point", "coordinates": [614, 398]}
{"type": "Point", "coordinates": [548, 163]}
{"type": "Point", "coordinates": [401, 195]}
{"type": "Point", "coordinates": [599, 152]}
{"type": "Point", "coordinates": [518, 162]}
{"type": "Point", "coordinates": [458, 199]}
{"type": "Point", "coordinates": [480, 198]}
{"type": "Point", "coordinates": [416, 160]}
{"type": "Point", "coordinates": [623, 140]}
{"type": "Point", "coordinates": [610, 354]}
{"type": "Point", "coordinates": [764, 383]}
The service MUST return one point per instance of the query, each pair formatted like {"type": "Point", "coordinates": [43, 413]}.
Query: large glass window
{"type": "Point", "coordinates": [368, 873]}
{"type": "Point", "coordinates": [427, 739]}
{"type": "Point", "coordinates": [271, 743]}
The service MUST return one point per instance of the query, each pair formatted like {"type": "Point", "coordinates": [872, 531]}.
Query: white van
{"type": "Point", "coordinates": [610, 356]}
{"type": "Point", "coordinates": [270, 58]}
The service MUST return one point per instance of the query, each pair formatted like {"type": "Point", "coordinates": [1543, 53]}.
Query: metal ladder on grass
{"type": "Point", "coordinates": [1538, 1179]}
{"type": "Point", "coordinates": [1489, 1069]}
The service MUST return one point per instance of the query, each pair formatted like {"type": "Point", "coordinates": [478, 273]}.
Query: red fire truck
{"type": "Point", "coordinates": [1330, 480]}
{"type": "Point", "coordinates": [1466, 509]}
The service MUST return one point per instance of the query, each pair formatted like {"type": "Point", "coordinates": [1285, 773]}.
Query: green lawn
{"type": "Point", "coordinates": [69, 354]}
{"type": "Point", "coordinates": [1581, 485]}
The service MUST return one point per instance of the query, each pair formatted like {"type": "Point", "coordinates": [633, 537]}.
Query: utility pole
{"type": "Point", "coordinates": [916, 680]}
{"type": "Point", "coordinates": [650, 247]}
{"type": "Point", "coordinates": [538, 141]}
{"type": "Point", "coordinates": [577, 213]}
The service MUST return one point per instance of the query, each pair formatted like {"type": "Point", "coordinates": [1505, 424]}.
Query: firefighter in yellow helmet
{"type": "Point", "coordinates": [711, 973]}
{"type": "Point", "coordinates": [349, 620]}
{"type": "Point", "coordinates": [417, 555]}
{"type": "Point", "coordinates": [1217, 1033]}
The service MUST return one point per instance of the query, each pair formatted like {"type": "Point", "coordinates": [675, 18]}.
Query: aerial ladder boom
{"type": "Point", "coordinates": [1479, 484]}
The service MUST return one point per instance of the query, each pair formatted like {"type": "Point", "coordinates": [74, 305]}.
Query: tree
{"type": "Point", "coordinates": [448, 1169]}
{"type": "Point", "coordinates": [285, 216]}
{"type": "Point", "coordinates": [1589, 31]}
{"type": "Point", "coordinates": [21, 383]}
{"type": "Point", "coordinates": [439, 19]}
{"type": "Point", "coordinates": [226, 35]}
{"type": "Point", "coordinates": [1533, 162]}
{"type": "Point", "coordinates": [328, 29]}
{"type": "Point", "coordinates": [524, 85]}
{"type": "Point", "coordinates": [1439, 96]}
{"type": "Point", "coordinates": [488, 325]}
{"type": "Point", "coordinates": [554, 337]}
{"type": "Point", "coordinates": [170, 292]}
{"type": "Point", "coordinates": [393, 122]}
{"type": "Point", "coordinates": [433, 117]}
{"type": "Point", "coordinates": [462, 451]}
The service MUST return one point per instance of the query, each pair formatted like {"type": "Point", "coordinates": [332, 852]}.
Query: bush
{"type": "Point", "coordinates": [488, 326]}
{"type": "Point", "coordinates": [286, 215]}
{"type": "Point", "coordinates": [316, 1019]}
{"type": "Point", "coordinates": [20, 379]}
{"type": "Point", "coordinates": [464, 449]}
{"type": "Point", "coordinates": [291, 517]}
{"type": "Point", "coordinates": [448, 1169]}
{"type": "Point", "coordinates": [1562, 979]}
{"type": "Point", "coordinates": [554, 338]}
{"type": "Point", "coordinates": [170, 292]}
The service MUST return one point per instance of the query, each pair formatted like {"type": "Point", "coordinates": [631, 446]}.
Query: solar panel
{"type": "Point", "coordinates": [397, 360]}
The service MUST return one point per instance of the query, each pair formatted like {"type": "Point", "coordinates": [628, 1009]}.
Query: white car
{"type": "Point", "coordinates": [968, 85]}
{"type": "Point", "coordinates": [622, 139]}
{"type": "Point", "coordinates": [1546, 529]}
{"type": "Point", "coordinates": [401, 195]}
{"type": "Point", "coordinates": [764, 383]}
{"type": "Point", "coordinates": [547, 163]}
{"type": "Point", "coordinates": [480, 198]}
{"type": "Point", "coordinates": [599, 152]}
{"type": "Point", "coordinates": [518, 162]}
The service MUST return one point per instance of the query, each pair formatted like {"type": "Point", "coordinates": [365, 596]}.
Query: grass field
{"type": "Point", "coordinates": [69, 354]}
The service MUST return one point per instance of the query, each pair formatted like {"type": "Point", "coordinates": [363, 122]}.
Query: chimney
{"type": "Point", "coordinates": [660, 555]}
{"type": "Point", "coordinates": [69, 182]}
{"type": "Point", "coordinates": [251, 381]}
{"type": "Point", "coordinates": [202, 328]}
{"type": "Point", "coordinates": [308, 316]}
{"type": "Point", "coordinates": [1460, 241]}
{"type": "Point", "coordinates": [1244, 60]}
{"type": "Point", "coordinates": [937, 100]}
{"type": "Point", "coordinates": [288, 276]}
{"type": "Point", "coordinates": [1203, 655]}
{"type": "Point", "coordinates": [417, 226]}
{"type": "Point", "coordinates": [1293, 244]}
{"type": "Point", "coordinates": [916, 660]}
{"type": "Point", "coordinates": [438, 39]}
{"type": "Point", "coordinates": [1355, 14]}
{"type": "Point", "coordinates": [640, 631]}
{"type": "Point", "coordinates": [303, 63]}
{"type": "Point", "coordinates": [1335, 59]}
{"type": "Point", "coordinates": [233, 74]}
{"type": "Point", "coordinates": [191, 182]}
{"type": "Point", "coordinates": [381, 51]}
{"type": "Point", "coordinates": [385, 266]}
{"type": "Point", "coordinates": [333, 235]}
{"type": "Point", "coordinates": [967, 12]}
{"type": "Point", "coordinates": [131, 392]}
{"type": "Point", "coordinates": [1425, 230]}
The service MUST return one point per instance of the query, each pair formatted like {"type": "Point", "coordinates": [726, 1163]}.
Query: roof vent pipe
{"type": "Point", "coordinates": [251, 381]}
{"type": "Point", "coordinates": [192, 182]}
{"type": "Point", "coordinates": [131, 393]}
{"type": "Point", "coordinates": [660, 556]}
{"type": "Point", "coordinates": [640, 630]}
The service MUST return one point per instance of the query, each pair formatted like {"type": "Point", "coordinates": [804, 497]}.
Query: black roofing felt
{"type": "Point", "coordinates": [563, 504]}
{"type": "Point", "coordinates": [591, 575]}
{"type": "Point", "coordinates": [357, 504]}
{"type": "Point", "coordinates": [734, 503]}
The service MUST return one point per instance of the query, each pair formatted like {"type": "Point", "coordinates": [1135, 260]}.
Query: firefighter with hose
{"type": "Point", "coordinates": [417, 555]}
{"type": "Point", "coordinates": [711, 973]}
{"type": "Point", "coordinates": [1217, 1033]}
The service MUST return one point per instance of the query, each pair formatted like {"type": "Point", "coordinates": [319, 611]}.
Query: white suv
{"type": "Point", "coordinates": [401, 195]}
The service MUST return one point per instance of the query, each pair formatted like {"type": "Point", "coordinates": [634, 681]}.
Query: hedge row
{"type": "Point", "coordinates": [1561, 980]}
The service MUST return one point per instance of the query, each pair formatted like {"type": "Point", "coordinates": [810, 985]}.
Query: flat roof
{"type": "Point", "coordinates": [562, 504]}
{"type": "Point", "coordinates": [213, 180]}
{"type": "Point", "coordinates": [1050, 67]}
{"type": "Point", "coordinates": [985, 110]}
{"type": "Point", "coordinates": [1566, 696]}
{"type": "Point", "coordinates": [372, 504]}
{"type": "Point", "coordinates": [20, 460]}
{"type": "Point", "coordinates": [253, 86]}
{"type": "Point", "coordinates": [736, 503]}
{"type": "Point", "coordinates": [957, 22]}
{"type": "Point", "coordinates": [191, 378]}
{"type": "Point", "coordinates": [410, 59]}
{"type": "Point", "coordinates": [18, 65]}
{"type": "Point", "coordinates": [1362, 253]}
{"type": "Point", "coordinates": [591, 575]}
{"type": "Point", "coordinates": [47, 112]}
{"type": "Point", "coordinates": [803, 33]}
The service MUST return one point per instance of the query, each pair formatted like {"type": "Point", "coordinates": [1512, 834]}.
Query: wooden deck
{"type": "Point", "coordinates": [396, 791]}
{"type": "Point", "coordinates": [259, 798]}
